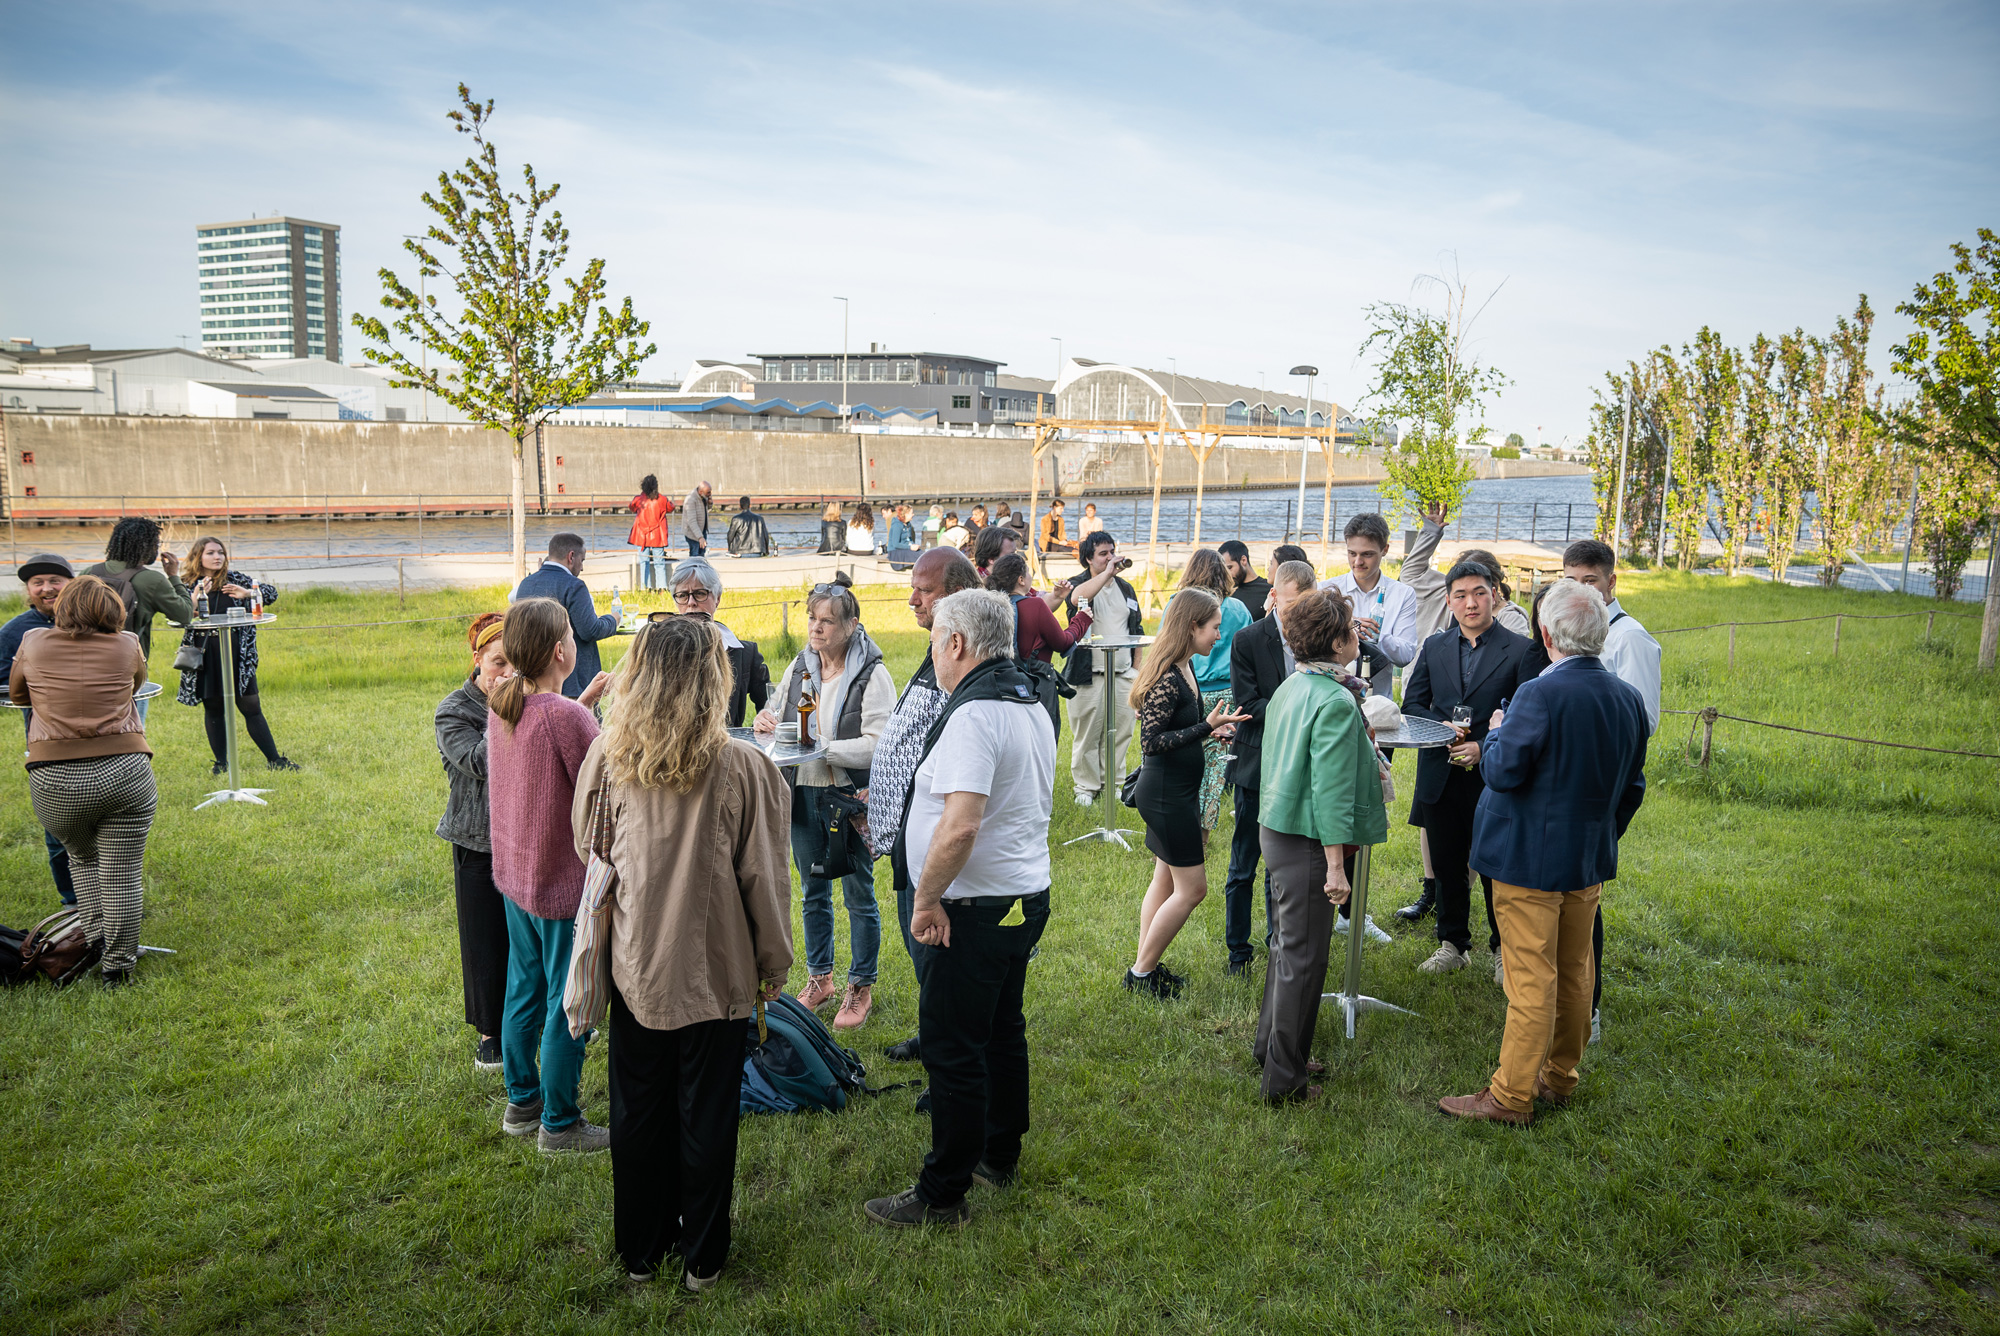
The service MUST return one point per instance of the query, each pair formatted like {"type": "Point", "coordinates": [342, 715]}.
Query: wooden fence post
{"type": "Point", "coordinates": [1707, 733]}
{"type": "Point", "coordinates": [400, 599]}
{"type": "Point", "coordinates": [1930, 620]}
{"type": "Point", "coordinates": [1836, 634]}
{"type": "Point", "coordinates": [1732, 644]}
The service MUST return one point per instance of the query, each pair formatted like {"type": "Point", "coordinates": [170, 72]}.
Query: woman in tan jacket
{"type": "Point", "coordinates": [700, 930]}
{"type": "Point", "coordinates": [90, 772]}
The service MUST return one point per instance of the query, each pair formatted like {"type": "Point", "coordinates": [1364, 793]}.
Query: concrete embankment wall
{"type": "Point", "coordinates": [72, 464]}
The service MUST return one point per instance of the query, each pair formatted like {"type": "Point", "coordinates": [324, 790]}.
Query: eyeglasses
{"type": "Point", "coordinates": [691, 595]}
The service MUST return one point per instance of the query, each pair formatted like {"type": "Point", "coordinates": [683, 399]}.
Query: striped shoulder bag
{"type": "Point", "coordinates": [587, 993]}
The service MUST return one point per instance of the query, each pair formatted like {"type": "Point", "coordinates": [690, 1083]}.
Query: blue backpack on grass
{"type": "Point", "coordinates": [798, 1066]}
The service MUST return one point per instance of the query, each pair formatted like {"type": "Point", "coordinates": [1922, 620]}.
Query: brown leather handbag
{"type": "Point", "coordinates": [57, 949]}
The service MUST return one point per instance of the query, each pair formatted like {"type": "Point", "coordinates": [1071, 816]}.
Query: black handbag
{"type": "Point", "coordinates": [843, 848]}
{"type": "Point", "coordinates": [1128, 792]}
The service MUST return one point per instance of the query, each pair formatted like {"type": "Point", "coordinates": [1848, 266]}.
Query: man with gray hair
{"type": "Point", "coordinates": [697, 591]}
{"type": "Point", "coordinates": [1565, 770]}
{"type": "Point", "coordinates": [977, 835]}
{"type": "Point", "coordinates": [937, 574]}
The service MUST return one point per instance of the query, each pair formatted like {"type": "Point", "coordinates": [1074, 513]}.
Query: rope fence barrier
{"type": "Point", "coordinates": [1708, 716]}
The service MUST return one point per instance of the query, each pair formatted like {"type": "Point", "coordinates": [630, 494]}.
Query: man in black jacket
{"type": "Point", "coordinates": [1476, 663]}
{"type": "Point", "coordinates": [1251, 589]}
{"type": "Point", "coordinates": [1258, 663]}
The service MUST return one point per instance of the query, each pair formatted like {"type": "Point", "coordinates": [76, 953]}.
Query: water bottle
{"type": "Point", "coordinates": [617, 607]}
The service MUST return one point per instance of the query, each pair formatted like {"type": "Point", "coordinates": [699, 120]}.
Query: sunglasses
{"type": "Point", "coordinates": [691, 595]}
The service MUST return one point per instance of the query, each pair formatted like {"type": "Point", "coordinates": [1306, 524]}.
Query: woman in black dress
{"type": "Point", "coordinates": [1171, 733]}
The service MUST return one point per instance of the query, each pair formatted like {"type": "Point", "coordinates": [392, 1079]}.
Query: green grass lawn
{"type": "Point", "coordinates": [1789, 1127]}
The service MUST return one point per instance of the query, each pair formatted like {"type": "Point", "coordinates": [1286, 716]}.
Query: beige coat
{"type": "Point", "coordinates": [703, 907]}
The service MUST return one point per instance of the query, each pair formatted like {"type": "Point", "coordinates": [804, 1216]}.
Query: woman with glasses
{"type": "Point", "coordinates": [841, 669]}
{"type": "Point", "coordinates": [697, 590]}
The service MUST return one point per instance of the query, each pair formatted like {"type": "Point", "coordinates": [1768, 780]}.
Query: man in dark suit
{"type": "Point", "coordinates": [559, 579]}
{"type": "Point", "coordinates": [1258, 663]}
{"type": "Point", "coordinates": [1565, 770]}
{"type": "Point", "coordinates": [1476, 663]}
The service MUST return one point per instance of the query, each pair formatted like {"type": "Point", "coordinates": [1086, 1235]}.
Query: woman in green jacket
{"type": "Point", "coordinates": [1320, 799]}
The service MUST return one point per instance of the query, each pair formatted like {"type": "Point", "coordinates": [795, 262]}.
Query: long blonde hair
{"type": "Point", "coordinates": [531, 635]}
{"type": "Point", "coordinates": [669, 723]}
{"type": "Point", "coordinates": [1174, 645]}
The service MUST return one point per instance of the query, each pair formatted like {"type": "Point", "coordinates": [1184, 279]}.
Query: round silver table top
{"type": "Point", "coordinates": [1418, 732]}
{"type": "Point", "coordinates": [1114, 642]}
{"type": "Point", "coordinates": [781, 753]}
{"type": "Point", "coordinates": [229, 623]}
{"type": "Point", "coordinates": [147, 692]}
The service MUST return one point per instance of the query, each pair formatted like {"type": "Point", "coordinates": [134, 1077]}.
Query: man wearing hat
{"type": "Point", "coordinates": [45, 574]}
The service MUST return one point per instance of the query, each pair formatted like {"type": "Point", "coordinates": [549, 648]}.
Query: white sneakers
{"type": "Point", "coordinates": [1368, 928]}
{"type": "Point", "coordinates": [1596, 1027]}
{"type": "Point", "coordinates": [1084, 799]}
{"type": "Point", "coordinates": [1444, 960]}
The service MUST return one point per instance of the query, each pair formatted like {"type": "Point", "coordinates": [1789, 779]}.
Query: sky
{"type": "Point", "coordinates": [1220, 188]}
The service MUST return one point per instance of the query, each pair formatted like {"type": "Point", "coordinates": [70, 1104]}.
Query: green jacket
{"type": "Point", "coordinates": [1319, 775]}
{"type": "Point", "coordinates": [157, 595]}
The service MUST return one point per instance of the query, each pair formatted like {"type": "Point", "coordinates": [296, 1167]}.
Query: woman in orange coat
{"type": "Point", "coordinates": [651, 533]}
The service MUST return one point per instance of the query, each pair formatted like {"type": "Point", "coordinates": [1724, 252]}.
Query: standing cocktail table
{"type": "Point", "coordinates": [1415, 734]}
{"type": "Point", "coordinates": [782, 754]}
{"type": "Point", "coordinates": [226, 628]}
{"type": "Point", "coordinates": [1107, 647]}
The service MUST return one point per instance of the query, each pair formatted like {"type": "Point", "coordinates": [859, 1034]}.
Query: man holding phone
{"type": "Point", "coordinates": [1462, 676]}
{"type": "Point", "coordinates": [1114, 610]}
{"type": "Point", "coordinates": [1385, 611]}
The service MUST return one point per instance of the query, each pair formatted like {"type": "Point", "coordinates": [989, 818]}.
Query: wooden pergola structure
{"type": "Point", "coordinates": [1201, 442]}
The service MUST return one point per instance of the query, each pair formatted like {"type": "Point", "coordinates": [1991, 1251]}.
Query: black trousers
{"type": "Point", "coordinates": [1239, 891]}
{"type": "Point", "coordinates": [249, 704]}
{"type": "Point", "coordinates": [482, 938]}
{"type": "Point", "coordinates": [1448, 822]}
{"type": "Point", "coordinates": [975, 1042]}
{"type": "Point", "coordinates": [674, 1096]}
{"type": "Point", "coordinates": [906, 908]}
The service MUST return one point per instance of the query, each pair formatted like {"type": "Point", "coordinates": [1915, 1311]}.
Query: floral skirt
{"type": "Point", "coordinates": [1212, 764]}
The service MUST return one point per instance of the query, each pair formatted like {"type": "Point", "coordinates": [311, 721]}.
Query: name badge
{"type": "Point", "coordinates": [1132, 604]}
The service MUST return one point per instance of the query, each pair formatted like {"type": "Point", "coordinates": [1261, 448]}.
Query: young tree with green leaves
{"type": "Point", "coordinates": [511, 354]}
{"type": "Point", "coordinates": [1953, 357]}
{"type": "Point", "coordinates": [1852, 457]}
{"type": "Point", "coordinates": [1798, 377]}
{"type": "Point", "coordinates": [1727, 444]}
{"type": "Point", "coordinates": [1429, 377]}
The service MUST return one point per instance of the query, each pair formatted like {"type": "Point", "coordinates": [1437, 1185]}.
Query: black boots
{"type": "Point", "coordinates": [1425, 903]}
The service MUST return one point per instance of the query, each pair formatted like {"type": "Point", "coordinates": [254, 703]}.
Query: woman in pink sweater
{"type": "Point", "coordinates": [535, 744]}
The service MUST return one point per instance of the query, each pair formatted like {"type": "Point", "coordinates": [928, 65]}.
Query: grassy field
{"type": "Point", "coordinates": [1790, 1126]}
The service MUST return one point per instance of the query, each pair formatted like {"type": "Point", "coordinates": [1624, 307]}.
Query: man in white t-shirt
{"type": "Point", "coordinates": [976, 835]}
{"type": "Point", "coordinates": [1385, 611]}
{"type": "Point", "coordinates": [1631, 652]}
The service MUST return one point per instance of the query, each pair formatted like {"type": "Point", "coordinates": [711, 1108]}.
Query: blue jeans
{"type": "Point", "coordinates": [653, 568]}
{"type": "Point", "coordinates": [537, 969]}
{"type": "Point", "coordinates": [66, 886]}
{"type": "Point", "coordinates": [864, 923]}
{"type": "Point", "coordinates": [697, 548]}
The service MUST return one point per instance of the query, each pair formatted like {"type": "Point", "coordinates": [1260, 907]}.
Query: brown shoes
{"type": "Point", "coordinates": [1548, 1096]}
{"type": "Point", "coordinates": [819, 991]}
{"type": "Point", "coordinates": [1482, 1107]}
{"type": "Point", "coordinates": [854, 1006]}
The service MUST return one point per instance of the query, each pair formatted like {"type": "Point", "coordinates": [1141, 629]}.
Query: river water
{"type": "Point", "coordinates": [1548, 510]}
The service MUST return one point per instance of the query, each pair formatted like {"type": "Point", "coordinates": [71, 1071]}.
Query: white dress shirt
{"type": "Point", "coordinates": [1393, 606]}
{"type": "Point", "coordinates": [1634, 655]}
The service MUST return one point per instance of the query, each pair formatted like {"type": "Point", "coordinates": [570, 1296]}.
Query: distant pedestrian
{"type": "Point", "coordinates": [954, 534]}
{"type": "Point", "coordinates": [832, 530]}
{"type": "Point", "coordinates": [560, 579]}
{"type": "Point", "coordinates": [44, 574]}
{"type": "Point", "coordinates": [902, 533]}
{"type": "Point", "coordinates": [90, 770]}
{"type": "Point", "coordinates": [652, 533]}
{"type": "Point", "coordinates": [861, 531]}
{"type": "Point", "coordinates": [749, 536]}
{"type": "Point", "coordinates": [1054, 541]}
{"type": "Point", "coordinates": [933, 526]}
{"type": "Point", "coordinates": [536, 739]}
{"type": "Point", "coordinates": [694, 519]}
{"type": "Point", "coordinates": [460, 726]}
{"type": "Point", "coordinates": [212, 581]}
{"type": "Point", "coordinates": [1089, 524]}
{"type": "Point", "coordinates": [133, 547]}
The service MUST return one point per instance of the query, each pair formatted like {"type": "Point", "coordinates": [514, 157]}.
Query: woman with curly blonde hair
{"type": "Point", "coordinates": [700, 932]}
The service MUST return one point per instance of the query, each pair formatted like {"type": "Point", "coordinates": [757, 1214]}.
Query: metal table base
{"type": "Point", "coordinates": [225, 629]}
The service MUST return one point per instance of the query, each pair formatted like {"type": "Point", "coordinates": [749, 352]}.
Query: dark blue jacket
{"type": "Point", "coordinates": [554, 581]}
{"type": "Point", "coordinates": [1564, 773]}
{"type": "Point", "coordinates": [10, 639]}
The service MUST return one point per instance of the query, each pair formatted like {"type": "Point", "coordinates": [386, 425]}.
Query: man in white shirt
{"type": "Point", "coordinates": [1632, 653]}
{"type": "Point", "coordinates": [1385, 611]}
{"type": "Point", "coordinates": [977, 834]}
{"type": "Point", "coordinates": [1114, 611]}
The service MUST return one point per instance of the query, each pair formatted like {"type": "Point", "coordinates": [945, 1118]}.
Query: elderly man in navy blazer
{"type": "Point", "coordinates": [1565, 771]}
{"type": "Point", "coordinates": [560, 579]}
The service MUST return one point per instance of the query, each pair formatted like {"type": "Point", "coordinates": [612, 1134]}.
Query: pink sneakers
{"type": "Point", "coordinates": [819, 991]}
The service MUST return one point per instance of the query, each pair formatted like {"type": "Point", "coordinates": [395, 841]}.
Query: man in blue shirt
{"type": "Point", "coordinates": [558, 579]}
{"type": "Point", "coordinates": [45, 574]}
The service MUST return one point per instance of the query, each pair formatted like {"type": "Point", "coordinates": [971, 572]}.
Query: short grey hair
{"type": "Point", "coordinates": [696, 568]}
{"type": "Point", "coordinates": [984, 618]}
{"type": "Point", "coordinates": [1575, 618]}
{"type": "Point", "coordinates": [1297, 574]}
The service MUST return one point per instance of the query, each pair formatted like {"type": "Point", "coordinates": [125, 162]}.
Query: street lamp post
{"type": "Point", "coordinates": [846, 413]}
{"type": "Point", "coordinates": [1305, 445]}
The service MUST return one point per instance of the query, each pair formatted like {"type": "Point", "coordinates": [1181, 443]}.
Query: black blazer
{"type": "Point", "coordinates": [1256, 668]}
{"type": "Point", "coordinates": [749, 680]}
{"type": "Point", "coordinates": [1433, 690]}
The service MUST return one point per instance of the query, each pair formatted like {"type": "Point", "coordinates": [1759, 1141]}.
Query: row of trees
{"type": "Point", "coordinates": [1787, 437]}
